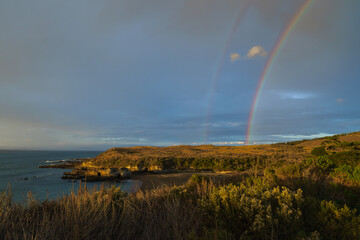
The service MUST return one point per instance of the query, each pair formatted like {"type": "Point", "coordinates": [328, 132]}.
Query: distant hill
{"type": "Point", "coordinates": [238, 158]}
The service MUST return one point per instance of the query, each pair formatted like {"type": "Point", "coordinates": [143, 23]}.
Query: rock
{"type": "Point", "coordinates": [74, 174]}
{"type": "Point", "coordinates": [124, 172]}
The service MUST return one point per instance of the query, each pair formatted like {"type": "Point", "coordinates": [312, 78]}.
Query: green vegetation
{"type": "Point", "coordinates": [197, 157]}
{"type": "Point", "coordinates": [254, 208]}
{"type": "Point", "coordinates": [319, 151]}
{"type": "Point", "coordinates": [305, 190]}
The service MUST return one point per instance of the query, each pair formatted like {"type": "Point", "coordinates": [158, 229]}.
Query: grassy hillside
{"type": "Point", "coordinates": [203, 156]}
{"type": "Point", "coordinates": [238, 158]}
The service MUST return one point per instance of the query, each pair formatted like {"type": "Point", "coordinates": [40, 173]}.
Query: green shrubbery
{"type": "Point", "coordinates": [346, 157]}
{"type": "Point", "coordinates": [319, 151]}
{"type": "Point", "coordinates": [324, 162]}
{"type": "Point", "coordinates": [338, 222]}
{"type": "Point", "coordinates": [253, 209]}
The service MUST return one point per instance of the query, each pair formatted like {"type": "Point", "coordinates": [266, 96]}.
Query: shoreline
{"type": "Point", "coordinates": [150, 180]}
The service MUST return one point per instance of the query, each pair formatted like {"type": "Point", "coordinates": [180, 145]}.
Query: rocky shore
{"type": "Point", "coordinates": [89, 174]}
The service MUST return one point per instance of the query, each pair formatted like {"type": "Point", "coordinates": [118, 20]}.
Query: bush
{"type": "Point", "coordinates": [319, 151]}
{"type": "Point", "coordinates": [345, 171]}
{"type": "Point", "coordinates": [289, 170]}
{"type": "Point", "coordinates": [253, 211]}
{"type": "Point", "coordinates": [356, 173]}
{"type": "Point", "coordinates": [338, 223]}
{"type": "Point", "coordinates": [324, 162]}
{"type": "Point", "coordinates": [346, 157]}
{"type": "Point", "coordinates": [196, 179]}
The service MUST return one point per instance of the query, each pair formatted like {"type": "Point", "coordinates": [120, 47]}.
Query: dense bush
{"type": "Point", "coordinates": [346, 157]}
{"type": "Point", "coordinates": [319, 151]}
{"type": "Point", "coordinates": [344, 171]}
{"type": "Point", "coordinates": [324, 162]}
{"type": "Point", "coordinates": [338, 222]}
{"type": "Point", "coordinates": [253, 212]}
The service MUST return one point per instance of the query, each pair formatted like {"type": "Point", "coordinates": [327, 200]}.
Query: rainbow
{"type": "Point", "coordinates": [222, 59]}
{"type": "Point", "coordinates": [269, 63]}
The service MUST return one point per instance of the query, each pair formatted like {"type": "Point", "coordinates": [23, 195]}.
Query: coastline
{"type": "Point", "coordinates": [147, 180]}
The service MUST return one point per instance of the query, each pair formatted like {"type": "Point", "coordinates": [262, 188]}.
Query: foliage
{"type": "Point", "coordinates": [319, 151]}
{"type": "Point", "coordinates": [198, 157]}
{"type": "Point", "coordinates": [252, 209]}
{"type": "Point", "coordinates": [346, 157]}
{"type": "Point", "coordinates": [324, 162]}
{"type": "Point", "coordinates": [344, 171]}
{"type": "Point", "coordinates": [253, 212]}
{"type": "Point", "coordinates": [338, 222]}
{"type": "Point", "coordinates": [196, 179]}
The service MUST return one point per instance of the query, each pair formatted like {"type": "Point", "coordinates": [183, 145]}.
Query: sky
{"type": "Point", "coordinates": [90, 75]}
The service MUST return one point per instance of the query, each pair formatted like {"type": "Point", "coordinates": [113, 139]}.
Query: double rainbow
{"type": "Point", "coordinates": [271, 59]}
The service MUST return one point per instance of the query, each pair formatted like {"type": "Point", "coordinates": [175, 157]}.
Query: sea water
{"type": "Point", "coordinates": [20, 170]}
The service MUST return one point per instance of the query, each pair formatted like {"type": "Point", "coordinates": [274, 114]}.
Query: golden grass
{"type": "Point", "coordinates": [103, 214]}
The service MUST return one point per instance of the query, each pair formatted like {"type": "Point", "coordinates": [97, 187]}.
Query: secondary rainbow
{"type": "Point", "coordinates": [269, 63]}
{"type": "Point", "coordinates": [223, 56]}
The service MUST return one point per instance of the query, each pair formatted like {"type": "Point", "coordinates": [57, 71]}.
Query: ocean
{"type": "Point", "coordinates": [19, 170]}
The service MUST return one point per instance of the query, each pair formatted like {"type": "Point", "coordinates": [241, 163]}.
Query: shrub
{"type": "Point", "coordinates": [319, 151]}
{"type": "Point", "coordinates": [253, 211]}
{"type": "Point", "coordinates": [338, 223]}
{"type": "Point", "coordinates": [344, 171]}
{"type": "Point", "coordinates": [356, 173]}
{"type": "Point", "coordinates": [346, 157]}
{"type": "Point", "coordinates": [289, 170]}
{"type": "Point", "coordinates": [196, 179]}
{"type": "Point", "coordinates": [324, 162]}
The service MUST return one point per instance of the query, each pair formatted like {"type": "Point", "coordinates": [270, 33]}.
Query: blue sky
{"type": "Point", "coordinates": [98, 74]}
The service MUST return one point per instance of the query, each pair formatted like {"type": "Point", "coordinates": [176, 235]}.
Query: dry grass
{"type": "Point", "coordinates": [104, 214]}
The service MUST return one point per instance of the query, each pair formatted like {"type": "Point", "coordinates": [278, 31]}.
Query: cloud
{"type": "Point", "coordinates": [296, 95]}
{"type": "Point", "coordinates": [253, 52]}
{"type": "Point", "coordinates": [234, 57]}
{"type": "Point", "coordinates": [228, 143]}
{"type": "Point", "coordinates": [300, 137]}
{"type": "Point", "coordinates": [256, 51]}
{"type": "Point", "coordinates": [235, 143]}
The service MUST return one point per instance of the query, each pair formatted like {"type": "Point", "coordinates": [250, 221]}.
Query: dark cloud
{"type": "Point", "coordinates": [108, 73]}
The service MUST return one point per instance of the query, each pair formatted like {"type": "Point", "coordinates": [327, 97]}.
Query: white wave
{"type": "Point", "coordinates": [58, 161]}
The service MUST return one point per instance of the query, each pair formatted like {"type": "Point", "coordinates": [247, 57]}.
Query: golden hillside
{"type": "Point", "coordinates": [216, 157]}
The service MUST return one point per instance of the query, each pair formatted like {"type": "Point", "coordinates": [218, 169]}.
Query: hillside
{"type": "Point", "coordinates": [238, 158]}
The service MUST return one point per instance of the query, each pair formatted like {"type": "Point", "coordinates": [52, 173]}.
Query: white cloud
{"type": "Point", "coordinates": [225, 124]}
{"type": "Point", "coordinates": [235, 143]}
{"type": "Point", "coordinates": [228, 143]}
{"type": "Point", "coordinates": [296, 95]}
{"type": "Point", "coordinates": [256, 51]}
{"type": "Point", "coordinates": [234, 57]}
{"type": "Point", "coordinates": [300, 137]}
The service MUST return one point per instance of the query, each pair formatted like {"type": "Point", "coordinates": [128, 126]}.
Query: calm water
{"type": "Point", "coordinates": [20, 170]}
